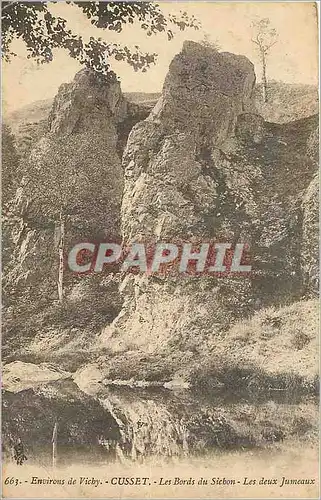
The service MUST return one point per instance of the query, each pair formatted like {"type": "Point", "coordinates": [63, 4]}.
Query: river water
{"type": "Point", "coordinates": [132, 425]}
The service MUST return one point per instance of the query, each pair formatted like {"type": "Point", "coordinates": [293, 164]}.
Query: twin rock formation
{"type": "Point", "coordinates": [203, 164]}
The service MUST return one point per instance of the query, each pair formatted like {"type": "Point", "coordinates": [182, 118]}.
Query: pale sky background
{"type": "Point", "coordinates": [294, 59]}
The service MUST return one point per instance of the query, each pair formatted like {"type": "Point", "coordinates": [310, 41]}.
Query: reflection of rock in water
{"type": "Point", "coordinates": [18, 451]}
{"type": "Point", "coordinates": [133, 424]}
{"type": "Point", "coordinates": [162, 423]}
{"type": "Point", "coordinates": [30, 415]}
{"type": "Point", "coordinates": [147, 428]}
{"type": "Point", "coordinates": [159, 424]}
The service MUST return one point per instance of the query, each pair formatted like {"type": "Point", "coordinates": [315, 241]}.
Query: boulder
{"type": "Point", "coordinates": [19, 376]}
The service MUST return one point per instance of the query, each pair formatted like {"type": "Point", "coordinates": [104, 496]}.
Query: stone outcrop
{"type": "Point", "coordinates": [169, 155]}
{"type": "Point", "coordinates": [310, 237]}
{"type": "Point", "coordinates": [76, 164]}
{"type": "Point", "coordinates": [83, 137]}
{"type": "Point", "coordinates": [174, 185]}
{"type": "Point", "coordinates": [249, 128]}
{"type": "Point", "coordinates": [205, 166]}
{"type": "Point", "coordinates": [74, 170]}
{"type": "Point", "coordinates": [84, 103]}
{"type": "Point", "coordinates": [204, 92]}
{"type": "Point", "coordinates": [313, 145]}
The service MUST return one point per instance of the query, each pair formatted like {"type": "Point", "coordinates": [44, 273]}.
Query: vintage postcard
{"type": "Point", "coordinates": [160, 243]}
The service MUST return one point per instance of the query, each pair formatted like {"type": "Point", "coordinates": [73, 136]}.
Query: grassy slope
{"type": "Point", "coordinates": [287, 102]}
{"type": "Point", "coordinates": [275, 348]}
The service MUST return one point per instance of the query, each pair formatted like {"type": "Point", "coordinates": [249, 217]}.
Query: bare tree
{"type": "Point", "coordinates": [265, 36]}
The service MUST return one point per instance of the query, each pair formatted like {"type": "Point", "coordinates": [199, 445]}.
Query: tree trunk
{"type": "Point", "coordinates": [264, 80]}
{"type": "Point", "coordinates": [61, 259]}
{"type": "Point", "coordinates": [54, 445]}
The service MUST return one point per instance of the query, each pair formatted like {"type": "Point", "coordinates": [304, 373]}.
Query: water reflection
{"type": "Point", "coordinates": [126, 424]}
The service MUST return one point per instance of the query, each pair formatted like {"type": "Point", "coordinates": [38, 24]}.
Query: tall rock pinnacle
{"type": "Point", "coordinates": [204, 166]}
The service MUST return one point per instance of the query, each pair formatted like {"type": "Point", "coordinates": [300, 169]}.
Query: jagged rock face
{"type": "Point", "coordinates": [250, 128]}
{"type": "Point", "coordinates": [86, 103]}
{"type": "Point", "coordinates": [76, 166]}
{"type": "Point", "coordinates": [170, 157]}
{"type": "Point", "coordinates": [310, 222]}
{"type": "Point", "coordinates": [310, 237]}
{"type": "Point", "coordinates": [32, 263]}
{"type": "Point", "coordinates": [204, 92]}
{"type": "Point", "coordinates": [313, 145]}
{"type": "Point", "coordinates": [83, 129]}
{"type": "Point", "coordinates": [176, 188]}
{"type": "Point", "coordinates": [204, 166]}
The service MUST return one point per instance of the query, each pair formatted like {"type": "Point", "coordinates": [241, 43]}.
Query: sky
{"type": "Point", "coordinates": [293, 59]}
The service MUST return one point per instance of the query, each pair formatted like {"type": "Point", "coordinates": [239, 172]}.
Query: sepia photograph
{"type": "Point", "coordinates": [160, 249]}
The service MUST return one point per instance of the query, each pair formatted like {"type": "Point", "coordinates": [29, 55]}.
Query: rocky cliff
{"type": "Point", "coordinates": [74, 174]}
{"type": "Point", "coordinates": [205, 166]}
{"type": "Point", "coordinates": [202, 166]}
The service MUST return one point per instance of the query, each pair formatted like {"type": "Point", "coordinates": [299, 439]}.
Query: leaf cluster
{"type": "Point", "coordinates": [42, 32]}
